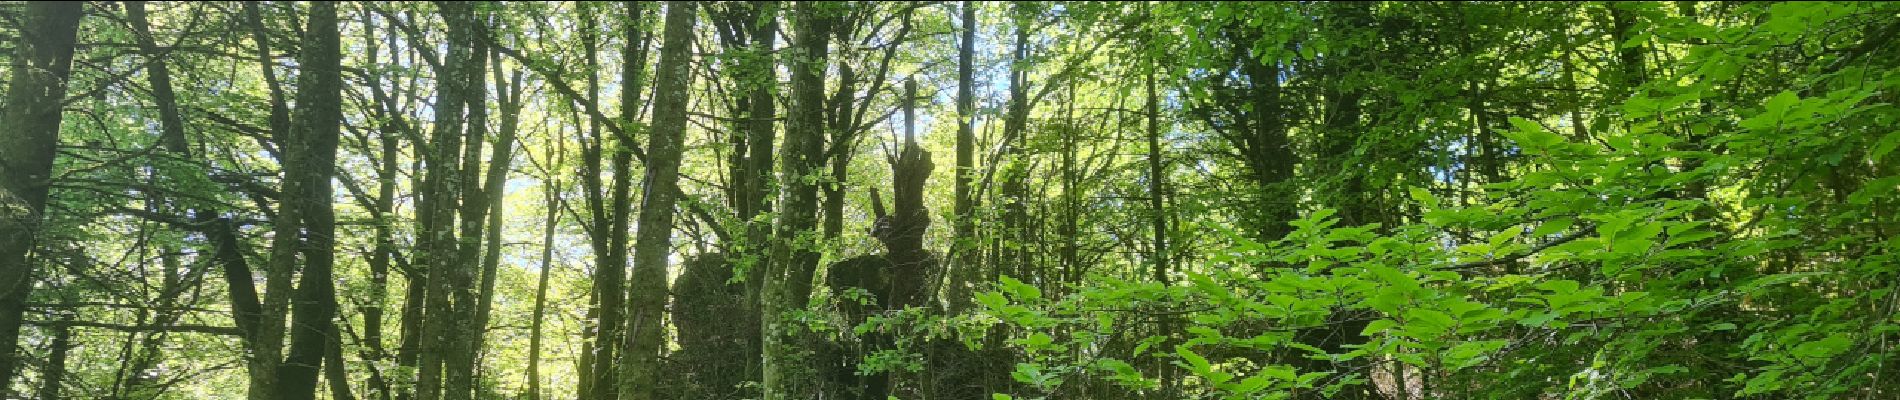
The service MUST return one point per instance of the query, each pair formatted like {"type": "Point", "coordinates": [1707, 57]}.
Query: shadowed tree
{"type": "Point", "coordinates": [29, 131]}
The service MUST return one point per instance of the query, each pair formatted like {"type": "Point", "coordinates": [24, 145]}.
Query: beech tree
{"type": "Point", "coordinates": [947, 200]}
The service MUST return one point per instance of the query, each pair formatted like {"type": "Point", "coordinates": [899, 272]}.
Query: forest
{"type": "Point", "coordinates": [944, 200]}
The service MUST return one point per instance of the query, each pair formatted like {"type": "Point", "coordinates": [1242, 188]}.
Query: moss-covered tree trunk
{"type": "Point", "coordinates": [641, 359]}
{"type": "Point", "coordinates": [794, 258]}
{"type": "Point", "coordinates": [312, 160]}
{"type": "Point", "coordinates": [29, 132]}
{"type": "Point", "coordinates": [965, 249]}
{"type": "Point", "coordinates": [443, 194]}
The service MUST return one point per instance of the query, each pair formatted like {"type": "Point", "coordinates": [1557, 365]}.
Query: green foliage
{"type": "Point", "coordinates": [1361, 200]}
{"type": "Point", "coordinates": [1698, 242]}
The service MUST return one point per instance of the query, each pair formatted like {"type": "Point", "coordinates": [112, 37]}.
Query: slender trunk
{"type": "Point", "coordinates": [1071, 198]}
{"type": "Point", "coordinates": [54, 376]}
{"type": "Point", "coordinates": [1630, 69]}
{"type": "Point", "coordinates": [598, 337]}
{"type": "Point", "coordinates": [612, 268]}
{"type": "Point", "coordinates": [414, 315]}
{"type": "Point", "coordinates": [760, 181]}
{"type": "Point", "coordinates": [793, 258]}
{"type": "Point", "coordinates": [125, 356]}
{"type": "Point", "coordinates": [508, 96]}
{"type": "Point", "coordinates": [1157, 204]}
{"type": "Point", "coordinates": [660, 187]}
{"type": "Point", "coordinates": [1012, 260]}
{"type": "Point", "coordinates": [1356, 202]}
{"type": "Point", "coordinates": [552, 217]}
{"type": "Point", "coordinates": [29, 134]}
{"type": "Point", "coordinates": [838, 150]}
{"type": "Point", "coordinates": [440, 342]}
{"type": "Point", "coordinates": [171, 124]}
{"type": "Point", "coordinates": [334, 372]}
{"type": "Point", "coordinates": [459, 364]}
{"type": "Point", "coordinates": [415, 295]}
{"type": "Point", "coordinates": [1268, 150]}
{"type": "Point", "coordinates": [764, 109]}
{"type": "Point", "coordinates": [1485, 160]}
{"type": "Point", "coordinates": [1693, 139]}
{"type": "Point", "coordinates": [965, 248]}
{"type": "Point", "coordinates": [385, 247]}
{"type": "Point", "coordinates": [268, 338]}
{"type": "Point", "coordinates": [319, 115]}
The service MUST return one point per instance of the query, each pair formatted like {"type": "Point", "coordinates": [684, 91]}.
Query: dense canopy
{"type": "Point", "coordinates": [949, 200]}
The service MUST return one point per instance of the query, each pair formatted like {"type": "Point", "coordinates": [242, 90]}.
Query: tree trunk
{"type": "Point", "coordinates": [280, 268]}
{"type": "Point", "coordinates": [334, 371]}
{"type": "Point", "coordinates": [1262, 139]}
{"type": "Point", "coordinates": [902, 233]}
{"type": "Point", "coordinates": [598, 337]}
{"type": "Point", "coordinates": [1012, 258]}
{"type": "Point", "coordinates": [385, 248]}
{"type": "Point", "coordinates": [1157, 204]}
{"type": "Point", "coordinates": [508, 96]}
{"type": "Point", "coordinates": [1356, 203]}
{"type": "Point", "coordinates": [613, 267]}
{"type": "Point", "coordinates": [29, 134]}
{"type": "Point", "coordinates": [541, 287]}
{"type": "Point", "coordinates": [754, 177]}
{"type": "Point", "coordinates": [794, 258]}
{"type": "Point", "coordinates": [414, 312]}
{"type": "Point", "coordinates": [641, 372]}
{"type": "Point", "coordinates": [53, 378]}
{"type": "Point", "coordinates": [966, 247]}
{"type": "Point", "coordinates": [464, 303]}
{"type": "Point", "coordinates": [440, 339]}
{"type": "Point", "coordinates": [267, 322]}
{"type": "Point", "coordinates": [319, 115]}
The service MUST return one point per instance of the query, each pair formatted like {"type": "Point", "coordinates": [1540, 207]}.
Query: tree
{"type": "Point", "coordinates": [36, 94]}
{"type": "Point", "coordinates": [611, 213]}
{"type": "Point", "coordinates": [443, 368]}
{"type": "Point", "coordinates": [793, 260]}
{"type": "Point", "coordinates": [967, 262]}
{"type": "Point", "coordinates": [750, 31]}
{"type": "Point", "coordinates": [641, 360]}
{"type": "Point", "coordinates": [1384, 200]}
{"type": "Point", "coordinates": [312, 160]}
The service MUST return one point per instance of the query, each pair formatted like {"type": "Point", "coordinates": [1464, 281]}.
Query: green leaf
{"type": "Point", "coordinates": [1533, 135]}
{"type": "Point", "coordinates": [1400, 280]}
{"type": "Point", "coordinates": [1824, 348]}
{"type": "Point", "coordinates": [1199, 366]}
{"type": "Point", "coordinates": [1207, 286]}
{"type": "Point", "coordinates": [1782, 102]}
{"type": "Point", "coordinates": [1424, 196]}
{"type": "Point", "coordinates": [1020, 290]}
{"type": "Point", "coordinates": [1377, 326]}
{"type": "Point", "coordinates": [1886, 145]}
{"type": "Point", "coordinates": [1537, 319]}
{"type": "Point", "coordinates": [1766, 382]}
{"type": "Point", "coordinates": [1251, 384]}
{"type": "Point", "coordinates": [1505, 236]}
{"type": "Point", "coordinates": [1553, 227]}
{"type": "Point", "coordinates": [1427, 321]}
{"type": "Point", "coordinates": [1472, 353]}
{"type": "Point", "coordinates": [1196, 364]}
{"type": "Point", "coordinates": [1038, 340]}
{"type": "Point", "coordinates": [992, 300]}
